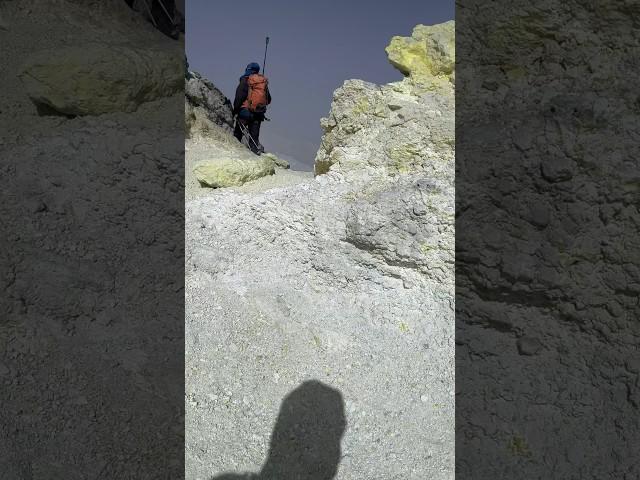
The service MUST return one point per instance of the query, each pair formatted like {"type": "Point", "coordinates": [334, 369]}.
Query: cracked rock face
{"type": "Point", "coordinates": [205, 104]}
{"type": "Point", "coordinates": [346, 279]}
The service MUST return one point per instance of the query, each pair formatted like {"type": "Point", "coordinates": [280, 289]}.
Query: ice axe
{"type": "Point", "coordinates": [264, 63]}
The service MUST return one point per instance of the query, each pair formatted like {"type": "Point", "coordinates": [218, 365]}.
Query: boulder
{"type": "Point", "coordinates": [278, 162]}
{"type": "Point", "coordinates": [428, 56]}
{"type": "Point", "coordinates": [233, 172]}
{"type": "Point", "coordinates": [101, 78]}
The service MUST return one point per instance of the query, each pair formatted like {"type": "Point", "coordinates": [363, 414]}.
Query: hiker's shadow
{"type": "Point", "coordinates": [305, 443]}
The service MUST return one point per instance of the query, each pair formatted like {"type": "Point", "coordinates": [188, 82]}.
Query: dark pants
{"type": "Point", "coordinates": [252, 121]}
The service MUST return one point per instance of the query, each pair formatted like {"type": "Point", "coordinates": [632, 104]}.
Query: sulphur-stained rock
{"type": "Point", "coordinates": [233, 172]}
{"type": "Point", "coordinates": [101, 78]}
{"type": "Point", "coordinates": [428, 56]}
{"type": "Point", "coordinates": [403, 126]}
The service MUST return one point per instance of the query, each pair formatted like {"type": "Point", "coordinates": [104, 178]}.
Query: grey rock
{"type": "Point", "coordinates": [203, 98]}
{"type": "Point", "coordinates": [539, 213]}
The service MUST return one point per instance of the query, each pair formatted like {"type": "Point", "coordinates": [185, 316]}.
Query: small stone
{"type": "Point", "coordinates": [277, 161]}
{"type": "Point", "coordinates": [489, 85]}
{"type": "Point", "coordinates": [633, 365]}
{"type": "Point", "coordinates": [557, 169]}
{"type": "Point", "coordinates": [528, 346]}
{"type": "Point", "coordinates": [420, 210]}
{"type": "Point", "coordinates": [539, 214]}
{"type": "Point", "coordinates": [37, 206]}
{"type": "Point", "coordinates": [411, 228]}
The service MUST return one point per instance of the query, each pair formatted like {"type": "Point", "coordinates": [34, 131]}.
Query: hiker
{"type": "Point", "coordinates": [250, 105]}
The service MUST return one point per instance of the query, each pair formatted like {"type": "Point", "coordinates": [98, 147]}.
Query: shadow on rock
{"type": "Point", "coordinates": [305, 443]}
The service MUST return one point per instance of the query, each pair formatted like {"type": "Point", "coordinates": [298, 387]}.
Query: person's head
{"type": "Point", "coordinates": [252, 68]}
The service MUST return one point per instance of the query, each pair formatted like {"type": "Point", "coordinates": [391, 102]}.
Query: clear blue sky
{"type": "Point", "coordinates": [314, 47]}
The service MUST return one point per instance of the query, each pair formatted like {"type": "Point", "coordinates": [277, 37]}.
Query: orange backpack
{"type": "Point", "coordinates": [257, 97]}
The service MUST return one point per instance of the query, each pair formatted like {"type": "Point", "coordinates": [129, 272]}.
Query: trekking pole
{"type": "Point", "coordinates": [264, 63]}
{"type": "Point", "coordinates": [153, 20]}
{"type": "Point", "coordinates": [245, 132]}
{"type": "Point", "coordinates": [166, 12]}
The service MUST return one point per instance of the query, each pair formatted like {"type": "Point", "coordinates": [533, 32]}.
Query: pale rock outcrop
{"type": "Point", "coordinates": [427, 57]}
{"type": "Point", "coordinates": [101, 78]}
{"type": "Point", "coordinates": [403, 129]}
{"type": "Point", "coordinates": [403, 125]}
{"type": "Point", "coordinates": [347, 279]}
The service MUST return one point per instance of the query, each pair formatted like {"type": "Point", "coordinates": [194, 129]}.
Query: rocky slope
{"type": "Point", "coordinates": [92, 214]}
{"type": "Point", "coordinates": [346, 278]}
